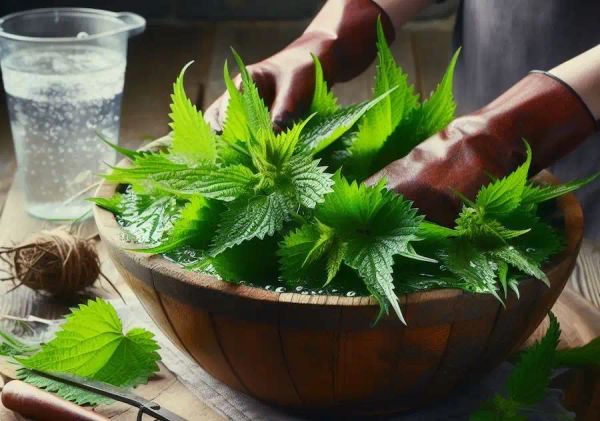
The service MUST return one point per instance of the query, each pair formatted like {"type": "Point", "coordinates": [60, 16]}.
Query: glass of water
{"type": "Point", "coordinates": [63, 71]}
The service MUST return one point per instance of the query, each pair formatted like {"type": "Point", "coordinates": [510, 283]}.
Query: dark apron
{"type": "Point", "coordinates": [502, 40]}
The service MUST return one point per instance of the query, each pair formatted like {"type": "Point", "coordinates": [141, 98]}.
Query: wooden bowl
{"type": "Point", "coordinates": [321, 353]}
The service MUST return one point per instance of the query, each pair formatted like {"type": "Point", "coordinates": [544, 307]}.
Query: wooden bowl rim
{"type": "Point", "coordinates": [110, 231]}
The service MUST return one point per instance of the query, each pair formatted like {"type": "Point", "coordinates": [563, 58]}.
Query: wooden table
{"type": "Point", "coordinates": [154, 61]}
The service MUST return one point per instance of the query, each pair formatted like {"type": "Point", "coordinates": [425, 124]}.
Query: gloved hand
{"type": "Point", "coordinates": [342, 36]}
{"type": "Point", "coordinates": [540, 108]}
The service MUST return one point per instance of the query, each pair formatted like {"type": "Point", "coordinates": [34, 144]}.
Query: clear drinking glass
{"type": "Point", "coordinates": [63, 72]}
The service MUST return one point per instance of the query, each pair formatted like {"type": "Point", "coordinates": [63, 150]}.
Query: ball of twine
{"type": "Point", "coordinates": [56, 261]}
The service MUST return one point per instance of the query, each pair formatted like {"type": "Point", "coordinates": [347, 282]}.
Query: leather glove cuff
{"type": "Point", "coordinates": [546, 112]}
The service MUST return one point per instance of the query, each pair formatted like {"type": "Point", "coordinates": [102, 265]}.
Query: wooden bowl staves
{"type": "Point", "coordinates": [321, 353]}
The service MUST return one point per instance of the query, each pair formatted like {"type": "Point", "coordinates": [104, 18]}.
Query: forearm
{"type": "Point", "coordinates": [401, 11]}
{"type": "Point", "coordinates": [582, 73]}
{"type": "Point", "coordinates": [343, 37]}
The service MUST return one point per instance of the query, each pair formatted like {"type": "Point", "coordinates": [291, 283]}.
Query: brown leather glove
{"type": "Point", "coordinates": [342, 36]}
{"type": "Point", "coordinates": [540, 108]}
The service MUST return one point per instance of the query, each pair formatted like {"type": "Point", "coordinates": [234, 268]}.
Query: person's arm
{"type": "Point", "coordinates": [553, 111]}
{"type": "Point", "coordinates": [342, 36]}
{"type": "Point", "coordinates": [582, 73]}
{"type": "Point", "coordinates": [401, 11]}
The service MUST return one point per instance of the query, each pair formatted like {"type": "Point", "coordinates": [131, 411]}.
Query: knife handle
{"type": "Point", "coordinates": [40, 405]}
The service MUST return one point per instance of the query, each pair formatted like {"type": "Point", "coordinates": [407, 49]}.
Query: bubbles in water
{"type": "Point", "coordinates": [58, 97]}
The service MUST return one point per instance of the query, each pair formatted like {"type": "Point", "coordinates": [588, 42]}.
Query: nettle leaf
{"type": "Point", "coordinates": [128, 153]}
{"type": "Point", "coordinates": [422, 122]}
{"type": "Point", "coordinates": [533, 194]}
{"type": "Point", "coordinates": [112, 204]}
{"type": "Point", "coordinates": [239, 263]}
{"type": "Point", "coordinates": [235, 127]}
{"type": "Point", "coordinates": [302, 252]}
{"type": "Point", "coordinates": [373, 262]}
{"type": "Point", "coordinates": [257, 114]}
{"type": "Point", "coordinates": [309, 180]}
{"type": "Point", "coordinates": [584, 356]}
{"type": "Point", "coordinates": [144, 167]}
{"type": "Point", "coordinates": [193, 137]}
{"type": "Point", "coordinates": [223, 183]}
{"type": "Point", "coordinates": [380, 121]}
{"type": "Point", "coordinates": [531, 376]}
{"type": "Point", "coordinates": [323, 101]}
{"type": "Point", "coordinates": [362, 226]}
{"type": "Point", "coordinates": [323, 131]}
{"type": "Point", "coordinates": [11, 346]}
{"type": "Point", "coordinates": [257, 217]}
{"type": "Point", "coordinates": [521, 261]}
{"type": "Point", "coordinates": [504, 196]}
{"type": "Point", "coordinates": [91, 344]}
{"type": "Point", "coordinates": [527, 383]}
{"type": "Point", "coordinates": [277, 151]}
{"type": "Point", "coordinates": [438, 110]}
{"type": "Point", "coordinates": [145, 219]}
{"type": "Point", "coordinates": [471, 266]}
{"type": "Point", "coordinates": [194, 226]}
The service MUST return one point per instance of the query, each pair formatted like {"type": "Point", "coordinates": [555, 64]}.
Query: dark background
{"type": "Point", "coordinates": [183, 9]}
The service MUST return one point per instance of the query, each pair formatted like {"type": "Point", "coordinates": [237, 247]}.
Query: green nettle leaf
{"type": "Point", "coordinates": [226, 204]}
{"type": "Point", "coordinates": [194, 226]}
{"type": "Point", "coordinates": [91, 344]}
{"type": "Point", "coordinates": [381, 120]}
{"type": "Point", "coordinates": [11, 346]}
{"type": "Point", "coordinates": [585, 356]}
{"type": "Point", "coordinates": [438, 110]}
{"type": "Point", "coordinates": [145, 219]}
{"type": "Point", "coordinates": [323, 131]}
{"type": "Point", "coordinates": [257, 115]}
{"type": "Point", "coordinates": [257, 217]}
{"type": "Point", "coordinates": [521, 261]}
{"type": "Point", "coordinates": [128, 153]}
{"type": "Point", "coordinates": [301, 254]}
{"type": "Point", "coordinates": [235, 127]}
{"type": "Point", "coordinates": [323, 102]}
{"type": "Point", "coordinates": [537, 194]}
{"type": "Point", "coordinates": [528, 382]}
{"type": "Point", "coordinates": [504, 196]}
{"type": "Point", "coordinates": [309, 180]}
{"type": "Point", "coordinates": [224, 183]}
{"type": "Point", "coordinates": [424, 121]}
{"type": "Point", "coordinates": [193, 138]}
{"type": "Point", "coordinates": [362, 226]}
{"type": "Point", "coordinates": [112, 204]}
{"type": "Point", "coordinates": [475, 269]}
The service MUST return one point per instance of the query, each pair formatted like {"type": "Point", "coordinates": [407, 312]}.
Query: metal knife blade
{"type": "Point", "coordinates": [117, 393]}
